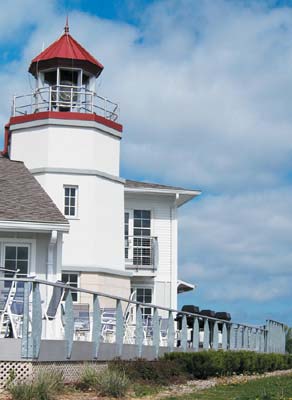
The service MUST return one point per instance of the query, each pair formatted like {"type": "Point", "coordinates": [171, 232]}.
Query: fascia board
{"type": "Point", "coordinates": [33, 226]}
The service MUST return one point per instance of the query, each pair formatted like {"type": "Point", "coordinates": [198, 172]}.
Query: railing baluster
{"type": "Point", "coordinates": [170, 332]}
{"type": "Point", "coordinates": [224, 337]}
{"type": "Point", "coordinates": [25, 322]}
{"type": "Point", "coordinates": [139, 331]}
{"type": "Point", "coordinates": [36, 320]}
{"type": "Point", "coordinates": [184, 333]}
{"type": "Point", "coordinates": [69, 323]}
{"type": "Point", "coordinates": [215, 336]}
{"type": "Point", "coordinates": [232, 337]}
{"type": "Point", "coordinates": [156, 331]}
{"type": "Point", "coordinates": [96, 325]}
{"type": "Point", "coordinates": [119, 328]}
{"type": "Point", "coordinates": [206, 343]}
{"type": "Point", "coordinates": [196, 334]}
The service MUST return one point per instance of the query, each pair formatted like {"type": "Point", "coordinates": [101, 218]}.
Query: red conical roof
{"type": "Point", "coordinates": [65, 52]}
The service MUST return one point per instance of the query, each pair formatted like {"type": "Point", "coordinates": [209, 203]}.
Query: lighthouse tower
{"type": "Point", "coordinates": [69, 138]}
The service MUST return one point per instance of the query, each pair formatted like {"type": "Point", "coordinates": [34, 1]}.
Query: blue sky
{"type": "Point", "coordinates": [205, 89]}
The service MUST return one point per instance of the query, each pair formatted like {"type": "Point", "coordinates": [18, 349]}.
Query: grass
{"type": "Point", "coordinates": [273, 388]}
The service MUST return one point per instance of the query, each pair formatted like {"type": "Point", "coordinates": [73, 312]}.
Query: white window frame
{"type": "Point", "coordinates": [75, 216]}
{"type": "Point", "coordinates": [78, 282]}
{"type": "Point", "coordinates": [30, 243]}
{"type": "Point", "coordinates": [144, 286]}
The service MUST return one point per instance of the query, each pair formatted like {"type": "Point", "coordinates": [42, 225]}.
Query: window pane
{"type": "Point", "coordinates": [10, 264]}
{"type": "Point", "coordinates": [148, 292]}
{"type": "Point", "coordinates": [137, 232]}
{"type": "Point", "coordinates": [65, 278]}
{"type": "Point", "coordinates": [67, 191]}
{"type": "Point", "coordinates": [10, 252]}
{"type": "Point", "coordinates": [72, 192]}
{"type": "Point", "coordinates": [126, 217]}
{"type": "Point", "coordinates": [146, 214]}
{"type": "Point", "coordinates": [22, 266]}
{"type": "Point", "coordinates": [22, 253]}
{"type": "Point", "coordinates": [73, 278]}
{"type": "Point", "coordinates": [137, 213]}
{"type": "Point", "coordinates": [67, 200]}
{"type": "Point", "coordinates": [137, 223]}
{"type": "Point", "coordinates": [72, 211]}
{"type": "Point", "coordinates": [66, 210]}
{"type": "Point", "coordinates": [74, 296]}
{"type": "Point", "coordinates": [72, 201]}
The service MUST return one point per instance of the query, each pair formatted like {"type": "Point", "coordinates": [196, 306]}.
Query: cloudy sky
{"type": "Point", "coordinates": [205, 88]}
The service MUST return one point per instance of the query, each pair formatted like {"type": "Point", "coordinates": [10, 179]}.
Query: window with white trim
{"type": "Point", "coordinates": [144, 295]}
{"type": "Point", "coordinates": [71, 279]}
{"type": "Point", "coordinates": [70, 201]}
{"type": "Point", "coordinates": [16, 257]}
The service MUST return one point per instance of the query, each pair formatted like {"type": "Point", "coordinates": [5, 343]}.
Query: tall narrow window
{"type": "Point", "coordinates": [70, 201]}
{"type": "Point", "coordinates": [127, 217]}
{"type": "Point", "coordinates": [142, 237]}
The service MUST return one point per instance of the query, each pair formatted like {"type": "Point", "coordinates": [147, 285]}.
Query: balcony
{"type": "Point", "coordinates": [65, 98]}
{"type": "Point", "coordinates": [141, 253]}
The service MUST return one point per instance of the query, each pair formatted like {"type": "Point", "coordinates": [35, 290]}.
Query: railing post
{"type": "Point", "coordinates": [69, 323]}
{"type": "Point", "coordinates": [96, 325]}
{"type": "Point", "coordinates": [232, 337]}
{"type": "Point", "coordinates": [139, 331]}
{"type": "Point", "coordinates": [156, 332]}
{"type": "Point", "coordinates": [184, 333]}
{"type": "Point", "coordinates": [71, 99]}
{"type": "Point", "coordinates": [25, 323]}
{"type": "Point", "coordinates": [206, 342]}
{"type": "Point", "coordinates": [119, 328]}
{"type": "Point", "coordinates": [215, 336]}
{"type": "Point", "coordinates": [224, 336]}
{"type": "Point", "coordinates": [50, 98]}
{"type": "Point", "coordinates": [36, 320]}
{"type": "Point", "coordinates": [196, 334]}
{"type": "Point", "coordinates": [170, 332]}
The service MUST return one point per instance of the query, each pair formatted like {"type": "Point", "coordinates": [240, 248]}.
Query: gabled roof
{"type": "Point", "coordinates": [22, 199]}
{"type": "Point", "coordinates": [66, 52]}
{"type": "Point", "coordinates": [184, 195]}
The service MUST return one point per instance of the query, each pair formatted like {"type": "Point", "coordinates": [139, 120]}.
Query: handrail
{"type": "Point", "coordinates": [73, 98]}
{"type": "Point", "coordinates": [123, 299]}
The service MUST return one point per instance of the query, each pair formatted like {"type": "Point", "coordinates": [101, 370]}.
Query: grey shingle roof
{"type": "Point", "coordinates": [22, 198]}
{"type": "Point", "coordinates": [137, 184]}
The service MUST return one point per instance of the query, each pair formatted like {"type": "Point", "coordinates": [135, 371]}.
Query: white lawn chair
{"type": "Point", "coordinates": [81, 321]}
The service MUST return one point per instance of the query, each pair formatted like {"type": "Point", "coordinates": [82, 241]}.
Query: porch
{"type": "Point", "coordinates": [40, 322]}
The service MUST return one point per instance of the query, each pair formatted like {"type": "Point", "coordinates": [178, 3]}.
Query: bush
{"type": "Point", "coordinates": [22, 391]}
{"type": "Point", "coordinates": [158, 372]}
{"type": "Point", "coordinates": [46, 385]}
{"type": "Point", "coordinates": [205, 364]}
{"type": "Point", "coordinates": [88, 379]}
{"type": "Point", "coordinates": [112, 383]}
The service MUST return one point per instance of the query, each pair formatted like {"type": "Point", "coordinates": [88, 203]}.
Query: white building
{"type": "Point", "coordinates": [123, 234]}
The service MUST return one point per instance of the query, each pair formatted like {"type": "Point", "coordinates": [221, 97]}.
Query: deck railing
{"type": "Point", "coordinates": [141, 252]}
{"type": "Point", "coordinates": [65, 98]}
{"type": "Point", "coordinates": [42, 311]}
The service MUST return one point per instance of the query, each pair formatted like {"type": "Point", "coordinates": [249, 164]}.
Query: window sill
{"type": "Point", "coordinates": [72, 218]}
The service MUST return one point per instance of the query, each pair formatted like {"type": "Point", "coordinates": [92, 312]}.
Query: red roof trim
{"type": "Point", "coordinates": [67, 116]}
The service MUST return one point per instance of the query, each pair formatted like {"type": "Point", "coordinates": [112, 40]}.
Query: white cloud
{"type": "Point", "coordinates": [206, 91]}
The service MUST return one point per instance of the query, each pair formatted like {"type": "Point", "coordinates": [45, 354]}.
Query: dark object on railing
{"type": "Point", "coordinates": [208, 313]}
{"type": "Point", "coordinates": [190, 319]}
{"type": "Point", "coordinates": [223, 315]}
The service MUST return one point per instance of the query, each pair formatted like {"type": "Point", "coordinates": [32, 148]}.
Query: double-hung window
{"type": "Point", "coordinates": [16, 258]}
{"type": "Point", "coordinates": [71, 279]}
{"type": "Point", "coordinates": [144, 295]}
{"type": "Point", "coordinates": [70, 201]}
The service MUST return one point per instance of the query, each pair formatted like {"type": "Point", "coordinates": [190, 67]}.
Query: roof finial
{"type": "Point", "coordinates": [66, 29]}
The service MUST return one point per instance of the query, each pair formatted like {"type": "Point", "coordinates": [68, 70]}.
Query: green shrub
{"type": "Point", "coordinates": [158, 372]}
{"type": "Point", "coordinates": [112, 383]}
{"type": "Point", "coordinates": [88, 379]}
{"type": "Point", "coordinates": [205, 364]}
{"type": "Point", "coordinates": [21, 391]}
{"type": "Point", "coordinates": [45, 386]}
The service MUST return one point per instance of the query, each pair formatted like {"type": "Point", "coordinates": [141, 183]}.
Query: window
{"type": "Point", "coordinates": [71, 280]}
{"type": "Point", "coordinates": [70, 203]}
{"type": "Point", "coordinates": [127, 218]}
{"type": "Point", "coordinates": [144, 295]}
{"type": "Point", "coordinates": [142, 238]}
{"type": "Point", "coordinates": [17, 258]}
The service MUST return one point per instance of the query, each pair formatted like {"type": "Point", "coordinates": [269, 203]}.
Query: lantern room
{"type": "Point", "coordinates": [65, 81]}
